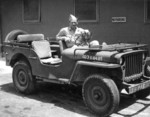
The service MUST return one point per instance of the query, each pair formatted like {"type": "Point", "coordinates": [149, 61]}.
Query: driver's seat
{"type": "Point", "coordinates": [62, 45]}
{"type": "Point", "coordinates": [43, 50]}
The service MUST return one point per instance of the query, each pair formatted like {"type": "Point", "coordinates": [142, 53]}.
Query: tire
{"type": "Point", "coordinates": [142, 94]}
{"type": "Point", "coordinates": [12, 36]}
{"type": "Point", "coordinates": [100, 95]}
{"type": "Point", "coordinates": [22, 78]}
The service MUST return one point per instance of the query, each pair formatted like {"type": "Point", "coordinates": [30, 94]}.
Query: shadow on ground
{"type": "Point", "coordinates": [69, 98]}
{"type": "Point", "coordinates": [62, 96]}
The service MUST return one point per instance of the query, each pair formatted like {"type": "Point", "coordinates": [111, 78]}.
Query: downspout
{"type": "Point", "coordinates": [1, 40]}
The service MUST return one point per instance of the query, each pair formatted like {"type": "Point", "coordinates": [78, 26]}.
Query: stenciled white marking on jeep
{"type": "Point", "coordinates": [94, 58]}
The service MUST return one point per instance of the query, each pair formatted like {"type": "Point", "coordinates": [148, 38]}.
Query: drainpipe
{"type": "Point", "coordinates": [1, 40]}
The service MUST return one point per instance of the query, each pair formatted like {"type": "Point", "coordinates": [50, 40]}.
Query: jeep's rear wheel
{"type": "Point", "coordinates": [101, 95]}
{"type": "Point", "coordinates": [22, 78]}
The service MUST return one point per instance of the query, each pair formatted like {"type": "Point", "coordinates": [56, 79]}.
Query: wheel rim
{"type": "Point", "coordinates": [22, 78]}
{"type": "Point", "coordinates": [98, 96]}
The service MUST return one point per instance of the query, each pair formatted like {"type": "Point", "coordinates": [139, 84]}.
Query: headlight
{"type": "Point", "coordinates": [121, 61]}
{"type": "Point", "coordinates": [144, 56]}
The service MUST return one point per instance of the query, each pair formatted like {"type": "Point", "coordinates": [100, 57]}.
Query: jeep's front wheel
{"type": "Point", "coordinates": [101, 95]}
{"type": "Point", "coordinates": [22, 78]}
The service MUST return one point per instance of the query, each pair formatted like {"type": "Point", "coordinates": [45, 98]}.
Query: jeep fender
{"type": "Point", "coordinates": [77, 72]}
{"type": "Point", "coordinates": [16, 57]}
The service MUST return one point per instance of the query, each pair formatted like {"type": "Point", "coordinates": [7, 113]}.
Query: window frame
{"type": "Point", "coordinates": [146, 20]}
{"type": "Point", "coordinates": [38, 20]}
{"type": "Point", "coordinates": [97, 14]}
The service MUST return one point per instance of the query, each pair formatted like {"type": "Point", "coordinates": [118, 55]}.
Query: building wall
{"type": "Point", "coordinates": [55, 13]}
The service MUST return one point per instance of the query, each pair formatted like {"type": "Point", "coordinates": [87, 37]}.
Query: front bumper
{"type": "Point", "coordinates": [135, 87]}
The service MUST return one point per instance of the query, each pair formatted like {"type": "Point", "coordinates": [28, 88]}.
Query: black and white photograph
{"type": "Point", "coordinates": [74, 58]}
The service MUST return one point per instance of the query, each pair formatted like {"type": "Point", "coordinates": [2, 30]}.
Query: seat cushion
{"type": "Point", "coordinates": [30, 37]}
{"type": "Point", "coordinates": [42, 48]}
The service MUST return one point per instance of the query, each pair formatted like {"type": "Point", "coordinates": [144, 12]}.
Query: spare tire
{"type": "Point", "coordinates": [12, 36]}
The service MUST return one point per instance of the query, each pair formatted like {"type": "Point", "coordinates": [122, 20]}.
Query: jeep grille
{"type": "Point", "coordinates": [133, 66]}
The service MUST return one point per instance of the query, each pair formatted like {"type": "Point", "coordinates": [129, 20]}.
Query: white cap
{"type": "Point", "coordinates": [72, 18]}
{"type": "Point", "coordinates": [94, 43]}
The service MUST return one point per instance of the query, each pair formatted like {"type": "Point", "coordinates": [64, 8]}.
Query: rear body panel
{"type": "Point", "coordinates": [39, 69]}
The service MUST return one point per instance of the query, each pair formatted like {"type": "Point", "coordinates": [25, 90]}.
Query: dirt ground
{"type": "Point", "coordinates": [53, 100]}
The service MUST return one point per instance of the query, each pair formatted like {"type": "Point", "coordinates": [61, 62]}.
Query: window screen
{"type": "Point", "coordinates": [31, 10]}
{"type": "Point", "coordinates": [86, 10]}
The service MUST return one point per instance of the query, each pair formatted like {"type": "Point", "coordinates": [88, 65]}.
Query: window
{"type": "Point", "coordinates": [86, 10]}
{"type": "Point", "coordinates": [147, 11]}
{"type": "Point", "coordinates": [31, 10]}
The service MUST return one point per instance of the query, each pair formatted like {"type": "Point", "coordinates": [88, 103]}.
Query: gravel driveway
{"type": "Point", "coordinates": [53, 100]}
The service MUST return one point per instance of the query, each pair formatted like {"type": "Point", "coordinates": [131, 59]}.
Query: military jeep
{"type": "Point", "coordinates": [104, 72]}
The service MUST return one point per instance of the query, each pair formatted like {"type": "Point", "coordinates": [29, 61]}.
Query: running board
{"type": "Point", "coordinates": [58, 81]}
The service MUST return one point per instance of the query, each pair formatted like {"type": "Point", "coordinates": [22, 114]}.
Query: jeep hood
{"type": "Point", "coordinates": [109, 53]}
